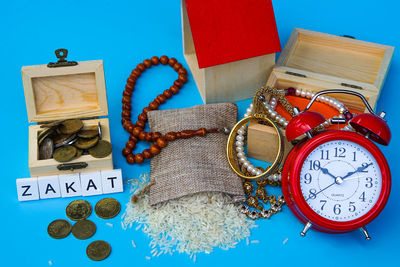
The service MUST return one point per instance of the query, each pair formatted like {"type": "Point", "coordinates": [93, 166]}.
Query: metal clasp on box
{"type": "Point", "coordinates": [72, 166]}
{"type": "Point", "coordinates": [62, 54]}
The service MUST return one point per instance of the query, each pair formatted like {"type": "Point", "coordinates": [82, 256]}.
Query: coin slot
{"type": "Point", "coordinates": [65, 94]}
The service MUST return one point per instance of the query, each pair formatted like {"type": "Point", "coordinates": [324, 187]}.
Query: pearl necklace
{"type": "Point", "coordinates": [270, 107]}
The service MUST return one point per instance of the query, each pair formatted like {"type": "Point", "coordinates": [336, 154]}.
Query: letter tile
{"type": "Point", "coordinates": [49, 187]}
{"type": "Point", "coordinates": [27, 189]}
{"type": "Point", "coordinates": [112, 181]}
{"type": "Point", "coordinates": [91, 184]}
{"type": "Point", "coordinates": [70, 185]}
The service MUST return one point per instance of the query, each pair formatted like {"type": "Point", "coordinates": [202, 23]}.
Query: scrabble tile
{"type": "Point", "coordinates": [70, 185]}
{"type": "Point", "coordinates": [27, 189]}
{"type": "Point", "coordinates": [91, 184]}
{"type": "Point", "coordinates": [112, 181]}
{"type": "Point", "coordinates": [49, 187]}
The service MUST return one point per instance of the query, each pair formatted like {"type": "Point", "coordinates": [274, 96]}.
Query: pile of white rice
{"type": "Point", "coordinates": [191, 224]}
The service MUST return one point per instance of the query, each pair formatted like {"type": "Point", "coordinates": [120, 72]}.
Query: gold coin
{"type": "Point", "coordinates": [83, 229]}
{"type": "Point", "coordinates": [44, 134]}
{"type": "Point", "coordinates": [79, 153]}
{"type": "Point", "coordinates": [78, 210]}
{"type": "Point", "coordinates": [83, 143]}
{"type": "Point", "coordinates": [107, 208]}
{"type": "Point", "coordinates": [98, 250]}
{"type": "Point", "coordinates": [64, 153]}
{"type": "Point", "coordinates": [52, 124]}
{"type": "Point", "coordinates": [88, 133]}
{"type": "Point", "coordinates": [70, 126]}
{"type": "Point", "coordinates": [59, 229]}
{"type": "Point", "coordinates": [101, 150]}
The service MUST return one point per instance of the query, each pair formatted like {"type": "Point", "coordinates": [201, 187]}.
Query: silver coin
{"type": "Point", "coordinates": [99, 129]}
{"type": "Point", "coordinates": [69, 141]}
{"type": "Point", "coordinates": [46, 148]}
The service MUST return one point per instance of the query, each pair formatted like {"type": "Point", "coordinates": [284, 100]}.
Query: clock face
{"type": "Point", "coordinates": [340, 180]}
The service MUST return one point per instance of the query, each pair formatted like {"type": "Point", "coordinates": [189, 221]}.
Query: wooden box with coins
{"type": "Point", "coordinates": [314, 61]}
{"type": "Point", "coordinates": [68, 101]}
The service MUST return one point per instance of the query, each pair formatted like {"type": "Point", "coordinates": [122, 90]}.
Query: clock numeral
{"type": "Point", "coordinates": [340, 152]}
{"type": "Point", "coordinates": [324, 154]}
{"type": "Point", "coordinates": [354, 155]}
{"type": "Point", "coordinates": [324, 202]}
{"type": "Point", "coordinates": [312, 194]}
{"type": "Point", "coordinates": [365, 165]}
{"type": "Point", "coordinates": [352, 208]}
{"type": "Point", "coordinates": [336, 209]}
{"type": "Point", "coordinates": [307, 178]}
{"type": "Point", "coordinates": [369, 182]}
{"type": "Point", "coordinates": [362, 197]}
{"type": "Point", "coordinates": [315, 165]}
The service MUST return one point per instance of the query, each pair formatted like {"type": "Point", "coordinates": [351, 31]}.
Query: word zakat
{"type": "Point", "coordinates": [70, 185]}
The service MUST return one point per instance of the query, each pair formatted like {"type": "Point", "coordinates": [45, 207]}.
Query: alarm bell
{"type": "Point", "coordinates": [303, 123]}
{"type": "Point", "coordinates": [373, 127]}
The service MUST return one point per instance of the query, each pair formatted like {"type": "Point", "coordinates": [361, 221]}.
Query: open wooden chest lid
{"type": "Point", "coordinates": [65, 92]}
{"type": "Point", "coordinates": [347, 61]}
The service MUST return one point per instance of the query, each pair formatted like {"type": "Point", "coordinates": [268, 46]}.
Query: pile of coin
{"type": "Point", "coordinates": [66, 140]}
{"type": "Point", "coordinates": [79, 211]}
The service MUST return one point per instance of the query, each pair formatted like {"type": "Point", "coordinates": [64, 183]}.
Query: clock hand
{"type": "Point", "coordinates": [321, 190]}
{"type": "Point", "coordinates": [359, 169]}
{"type": "Point", "coordinates": [326, 171]}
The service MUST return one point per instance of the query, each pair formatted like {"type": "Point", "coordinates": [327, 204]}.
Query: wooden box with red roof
{"type": "Point", "coordinates": [316, 61]}
{"type": "Point", "coordinates": [230, 46]}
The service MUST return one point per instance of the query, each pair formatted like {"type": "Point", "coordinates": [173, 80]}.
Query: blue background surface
{"type": "Point", "coordinates": [123, 33]}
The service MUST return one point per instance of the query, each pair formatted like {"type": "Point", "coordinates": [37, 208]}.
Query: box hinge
{"type": "Point", "coordinates": [72, 166]}
{"type": "Point", "coordinates": [61, 54]}
{"type": "Point", "coordinates": [296, 74]}
{"type": "Point", "coordinates": [351, 85]}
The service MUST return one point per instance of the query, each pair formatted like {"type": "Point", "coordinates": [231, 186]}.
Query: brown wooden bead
{"type": "Point", "coordinates": [130, 158]}
{"type": "Point", "coordinates": [155, 136]}
{"type": "Point", "coordinates": [153, 105]}
{"type": "Point", "coordinates": [129, 86]}
{"type": "Point", "coordinates": [136, 72]}
{"type": "Point", "coordinates": [177, 66]}
{"type": "Point", "coordinates": [127, 93]}
{"type": "Point", "coordinates": [161, 142]}
{"type": "Point", "coordinates": [157, 101]}
{"type": "Point", "coordinates": [172, 61]}
{"type": "Point", "coordinates": [142, 117]}
{"type": "Point", "coordinates": [178, 135]}
{"type": "Point", "coordinates": [161, 98]}
{"type": "Point", "coordinates": [127, 107]}
{"type": "Point", "coordinates": [148, 137]}
{"type": "Point", "coordinates": [123, 121]}
{"type": "Point", "coordinates": [174, 89]}
{"type": "Point", "coordinates": [142, 135]}
{"type": "Point", "coordinates": [126, 100]}
{"type": "Point", "coordinates": [133, 138]}
{"type": "Point", "coordinates": [132, 79]}
{"type": "Point", "coordinates": [126, 113]}
{"type": "Point", "coordinates": [133, 75]}
{"type": "Point", "coordinates": [126, 151]}
{"type": "Point", "coordinates": [147, 154]}
{"type": "Point", "coordinates": [182, 78]}
{"type": "Point", "coordinates": [155, 60]}
{"type": "Point", "coordinates": [155, 149]}
{"type": "Point", "coordinates": [130, 128]}
{"type": "Point", "coordinates": [147, 63]}
{"type": "Point", "coordinates": [141, 124]}
{"type": "Point", "coordinates": [130, 144]}
{"type": "Point", "coordinates": [146, 109]}
{"type": "Point", "coordinates": [136, 131]}
{"type": "Point", "coordinates": [139, 158]}
{"type": "Point", "coordinates": [171, 136]}
{"type": "Point", "coordinates": [167, 93]}
{"type": "Point", "coordinates": [182, 71]}
{"type": "Point", "coordinates": [178, 83]}
{"type": "Point", "coordinates": [127, 119]}
{"type": "Point", "coordinates": [164, 60]}
{"type": "Point", "coordinates": [141, 67]}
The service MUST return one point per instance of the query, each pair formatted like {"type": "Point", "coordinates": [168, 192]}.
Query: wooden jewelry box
{"type": "Point", "coordinates": [71, 90]}
{"type": "Point", "coordinates": [317, 61]}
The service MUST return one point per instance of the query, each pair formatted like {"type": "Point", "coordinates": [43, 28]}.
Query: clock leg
{"type": "Point", "coordinates": [306, 228]}
{"type": "Point", "coordinates": [365, 232]}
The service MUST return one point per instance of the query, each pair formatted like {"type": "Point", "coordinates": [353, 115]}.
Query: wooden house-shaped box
{"type": "Point", "coordinates": [230, 46]}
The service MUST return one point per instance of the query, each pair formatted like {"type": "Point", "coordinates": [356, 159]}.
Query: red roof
{"type": "Point", "coordinates": [229, 30]}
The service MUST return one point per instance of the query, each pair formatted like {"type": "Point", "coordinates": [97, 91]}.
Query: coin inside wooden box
{"type": "Point", "coordinates": [66, 93]}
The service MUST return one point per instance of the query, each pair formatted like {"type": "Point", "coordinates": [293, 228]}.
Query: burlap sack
{"type": "Point", "coordinates": [198, 164]}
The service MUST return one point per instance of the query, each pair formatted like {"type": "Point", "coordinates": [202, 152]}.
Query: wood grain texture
{"type": "Point", "coordinates": [65, 92]}
{"type": "Point", "coordinates": [49, 166]}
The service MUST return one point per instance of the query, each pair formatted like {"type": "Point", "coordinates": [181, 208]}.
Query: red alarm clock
{"type": "Point", "coordinates": [337, 181]}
